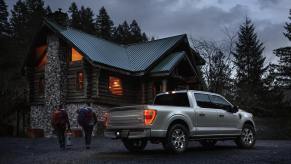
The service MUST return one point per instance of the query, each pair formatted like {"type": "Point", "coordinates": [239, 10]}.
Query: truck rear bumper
{"type": "Point", "coordinates": [133, 133]}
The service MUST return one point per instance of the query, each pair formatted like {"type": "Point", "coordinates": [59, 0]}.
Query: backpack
{"type": "Point", "coordinates": [59, 118]}
{"type": "Point", "coordinates": [85, 117]}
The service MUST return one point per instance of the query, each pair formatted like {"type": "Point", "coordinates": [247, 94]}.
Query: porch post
{"type": "Point", "coordinates": [142, 92]}
{"type": "Point", "coordinates": [164, 85]}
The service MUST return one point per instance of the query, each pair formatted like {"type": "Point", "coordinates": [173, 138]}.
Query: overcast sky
{"type": "Point", "coordinates": [200, 19]}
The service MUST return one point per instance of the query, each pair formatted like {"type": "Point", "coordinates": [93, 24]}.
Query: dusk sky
{"type": "Point", "coordinates": [199, 19]}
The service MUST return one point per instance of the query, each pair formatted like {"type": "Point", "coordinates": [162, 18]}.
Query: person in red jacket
{"type": "Point", "coordinates": [60, 123]}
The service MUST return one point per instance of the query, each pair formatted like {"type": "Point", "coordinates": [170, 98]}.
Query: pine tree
{"type": "Point", "coordinates": [75, 19]}
{"type": "Point", "coordinates": [145, 37]}
{"type": "Point", "coordinates": [48, 10]}
{"type": "Point", "coordinates": [249, 63]}
{"type": "Point", "coordinates": [125, 33]}
{"type": "Point", "coordinates": [26, 20]}
{"type": "Point", "coordinates": [288, 27]}
{"type": "Point", "coordinates": [19, 22]}
{"type": "Point", "coordinates": [284, 54]}
{"type": "Point", "coordinates": [4, 25]}
{"type": "Point", "coordinates": [59, 17]}
{"type": "Point", "coordinates": [135, 32]}
{"type": "Point", "coordinates": [104, 25]}
{"type": "Point", "coordinates": [117, 34]}
{"type": "Point", "coordinates": [36, 13]}
{"type": "Point", "coordinates": [86, 19]}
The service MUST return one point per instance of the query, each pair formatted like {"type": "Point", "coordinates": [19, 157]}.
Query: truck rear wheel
{"type": "Point", "coordinates": [135, 145]}
{"type": "Point", "coordinates": [176, 140]}
{"type": "Point", "coordinates": [247, 139]}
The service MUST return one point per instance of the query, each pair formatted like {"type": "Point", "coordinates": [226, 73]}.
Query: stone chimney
{"type": "Point", "coordinates": [54, 80]}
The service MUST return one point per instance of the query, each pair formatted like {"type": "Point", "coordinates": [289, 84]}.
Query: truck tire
{"type": "Point", "coordinates": [177, 138]}
{"type": "Point", "coordinates": [208, 143]}
{"type": "Point", "coordinates": [135, 145]}
{"type": "Point", "coordinates": [247, 139]}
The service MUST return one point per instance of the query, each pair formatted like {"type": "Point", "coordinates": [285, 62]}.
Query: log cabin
{"type": "Point", "coordinates": [70, 67]}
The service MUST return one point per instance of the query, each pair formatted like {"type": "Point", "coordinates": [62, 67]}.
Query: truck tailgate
{"type": "Point", "coordinates": [128, 117]}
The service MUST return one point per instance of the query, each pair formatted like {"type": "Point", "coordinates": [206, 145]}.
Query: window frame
{"type": "Point", "coordinates": [221, 106]}
{"type": "Point", "coordinates": [208, 106]}
{"type": "Point", "coordinates": [80, 86]}
{"type": "Point", "coordinates": [188, 105]}
{"type": "Point", "coordinates": [110, 88]}
{"type": "Point", "coordinates": [70, 58]}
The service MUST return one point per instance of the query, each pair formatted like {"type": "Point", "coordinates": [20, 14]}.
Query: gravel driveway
{"type": "Point", "coordinates": [22, 150]}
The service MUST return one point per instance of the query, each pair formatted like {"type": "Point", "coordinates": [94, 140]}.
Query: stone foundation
{"type": "Point", "coordinates": [36, 117]}
{"type": "Point", "coordinates": [41, 119]}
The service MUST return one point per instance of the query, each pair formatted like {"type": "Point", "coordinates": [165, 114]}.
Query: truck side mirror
{"type": "Point", "coordinates": [234, 109]}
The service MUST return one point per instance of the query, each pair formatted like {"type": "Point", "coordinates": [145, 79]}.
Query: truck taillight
{"type": "Point", "coordinates": [149, 116]}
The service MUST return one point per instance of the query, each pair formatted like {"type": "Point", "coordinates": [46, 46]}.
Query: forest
{"type": "Point", "coordinates": [235, 68]}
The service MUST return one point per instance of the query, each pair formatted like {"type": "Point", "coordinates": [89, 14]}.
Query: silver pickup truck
{"type": "Point", "coordinates": [179, 116]}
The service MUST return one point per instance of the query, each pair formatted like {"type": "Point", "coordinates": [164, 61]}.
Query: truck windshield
{"type": "Point", "coordinates": [177, 99]}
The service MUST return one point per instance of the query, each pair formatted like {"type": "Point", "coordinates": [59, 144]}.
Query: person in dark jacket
{"type": "Point", "coordinates": [87, 120]}
{"type": "Point", "coordinates": [60, 123]}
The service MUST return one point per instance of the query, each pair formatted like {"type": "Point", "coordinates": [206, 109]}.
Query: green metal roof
{"type": "Point", "coordinates": [169, 62]}
{"type": "Point", "coordinates": [135, 57]}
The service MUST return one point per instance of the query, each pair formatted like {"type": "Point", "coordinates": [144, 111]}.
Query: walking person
{"type": "Point", "coordinates": [87, 120]}
{"type": "Point", "coordinates": [60, 123]}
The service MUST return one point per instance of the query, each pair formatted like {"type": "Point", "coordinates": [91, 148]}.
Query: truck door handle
{"type": "Point", "coordinates": [221, 115]}
{"type": "Point", "coordinates": [202, 114]}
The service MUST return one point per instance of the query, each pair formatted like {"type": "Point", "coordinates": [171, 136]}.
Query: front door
{"type": "Point", "coordinates": [206, 116]}
{"type": "Point", "coordinates": [228, 122]}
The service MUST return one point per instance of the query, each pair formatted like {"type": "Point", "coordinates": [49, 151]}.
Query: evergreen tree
{"type": "Point", "coordinates": [125, 33]}
{"type": "Point", "coordinates": [283, 69]}
{"type": "Point", "coordinates": [135, 32]}
{"type": "Point", "coordinates": [75, 19]}
{"type": "Point", "coordinates": [36, 13]}
{"type": "Point", "coordinates": [4, 25]}
{"type": "Point", "coordinates": [59, 17]}
{"type": "Point", "coordinates": [19, 22]}
{"type": "Point", "coordinates": [117, 34]}
{"type": "Point", "coordinates": [128, 34]}
{"type": "Point", "coordinates": [249, 63]}
{"type": "Point", "coordinates": [288, 27]}
{"type": "Point", "coordinates": [145, 37]}
{"type": "Point", "coordinates": [104, 25]}
{"type": "Point", "coordinates": [26, 20]}
{"type": "Point", "coordinates": [86, 19]}
{"type": "Point", "coordinates": [48, 10]}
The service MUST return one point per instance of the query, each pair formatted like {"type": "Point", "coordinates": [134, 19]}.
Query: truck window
{"type": "Point", "coordinates": [219, 102]}
{"type": "Point", "coordinates": [203, 100]}
{"type": "Point", "coordinates": [177, 99]}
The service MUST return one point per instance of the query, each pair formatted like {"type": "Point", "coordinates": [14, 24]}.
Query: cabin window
{"type": "Point", "coordinates": [115, 86]}
{"type": "Point", "coordinates": [41, 56]}
{"type": "Point", "coordinates": [76, 56]}
{"type": "Point", "coordinates": [80, 81]}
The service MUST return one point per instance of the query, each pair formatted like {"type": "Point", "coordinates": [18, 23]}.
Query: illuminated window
{"type": "Point", "coordinates": [76, 56]}
{"type": "Point", "coordinates": [80, 81]}
{"type": "Point", "coordinates": [43, 61]}
{"type": "Point", "coordinates": [41, 55]}
{"type": "Point", "coordinates": [115, 86]}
